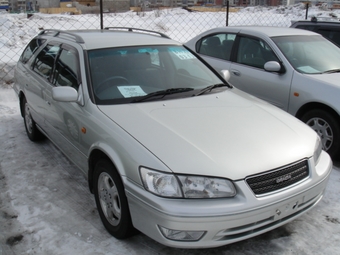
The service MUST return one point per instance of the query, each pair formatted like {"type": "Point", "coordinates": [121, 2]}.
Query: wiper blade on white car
{"type": "Point", "coordinates": [333, 71]}
{"type": "Point", "coordinates": [210, 88]}
{"type": "Point", "coordinates": [162, 93]}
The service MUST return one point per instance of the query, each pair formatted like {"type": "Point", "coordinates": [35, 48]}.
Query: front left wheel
{"type": "Point", "coordinates": [111, 200]}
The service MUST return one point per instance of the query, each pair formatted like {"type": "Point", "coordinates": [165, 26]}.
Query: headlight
{"type": "Point", "coordinates": [186, 186]}
{"type": "Point", "coordinates": [162, 184]}
{"type": "Point", "coordinates": [317, 150]}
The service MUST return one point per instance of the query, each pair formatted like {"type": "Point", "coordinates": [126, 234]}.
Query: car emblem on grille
{"type": "Point", "coordinates": [283, 178]}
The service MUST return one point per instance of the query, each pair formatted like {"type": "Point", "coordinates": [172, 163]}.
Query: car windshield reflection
{"type": "Point", "coordinates": [122, 75]}
{"type": "Point", "coordinates": [309, 54]}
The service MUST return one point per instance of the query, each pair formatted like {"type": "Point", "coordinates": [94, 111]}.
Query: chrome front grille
{"type": "Point", "coordinates": [279, 178]}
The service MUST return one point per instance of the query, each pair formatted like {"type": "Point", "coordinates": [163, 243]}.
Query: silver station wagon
{"type": "Point", "coordinates": [169, 148]}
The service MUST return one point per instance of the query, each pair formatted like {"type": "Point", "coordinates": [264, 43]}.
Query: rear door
{"type": "Point", "coordinates": [216, 49]}
{"type": "Point", "coordinates": [24, 81]}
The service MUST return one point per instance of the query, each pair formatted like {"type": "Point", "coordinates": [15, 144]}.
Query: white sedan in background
{"type": "Point", "coordinates": [296, 70]}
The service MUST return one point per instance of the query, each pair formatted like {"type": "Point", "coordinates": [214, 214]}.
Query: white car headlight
{"type": "Point", "coordinates": [186, 186]}
{"type": "Point", "coordinates": [206, 187]}
{"type": "Point", "coordinates": [317, 150]}
{"type": "Point", "coordinates": [162, 184]}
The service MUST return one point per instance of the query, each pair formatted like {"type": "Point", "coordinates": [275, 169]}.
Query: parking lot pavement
{"type": "Point", "coordinates": [46, 207]}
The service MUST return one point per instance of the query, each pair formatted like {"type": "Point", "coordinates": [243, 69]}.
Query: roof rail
{"type": "Point", "coordinates": [56, 33]}
{"type": "Point", "coordinates": [131, 29]}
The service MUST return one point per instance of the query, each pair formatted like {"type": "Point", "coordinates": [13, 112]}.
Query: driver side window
{"type": "Point", "coordinates": [254, 52]}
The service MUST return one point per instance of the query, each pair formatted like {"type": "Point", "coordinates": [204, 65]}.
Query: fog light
{"type": "Point", "coordinates": [180, 235]}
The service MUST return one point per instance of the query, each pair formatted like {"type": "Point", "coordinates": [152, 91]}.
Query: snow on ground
{"type": "Point", "coordinates": [45, 204]}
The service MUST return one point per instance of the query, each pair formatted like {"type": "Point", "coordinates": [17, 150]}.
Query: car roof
{"type": "Point", "coordinates": [263, 31]}
{"type": "Point", "coordinates": [106, 38]}
{"type": "Point", "coordinates": [317, 21]}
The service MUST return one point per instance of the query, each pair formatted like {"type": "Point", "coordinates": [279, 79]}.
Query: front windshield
{"type": "Point", "coordinates": [310, 54]}
{"type": "Point", "coordinates": [122, 75]}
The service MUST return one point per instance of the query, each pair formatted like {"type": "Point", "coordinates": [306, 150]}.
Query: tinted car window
{"type": "Point", "coordinates": [218, 45]}
{"type": "Point", "coordinates": [307, 27]}
{"type": "Point", "coordinates": [309, 54]}
{"type": "Point", "coordinates": [120, 74]}
{"type": "Point", "coordinates": [30, 49]}
{"type": "Point", "coordinates": [44, 62]}
{"type": "Point", "coordinates": [66, 69]}
{"type": "Point", "coordinates": [329, 31]}
{"type": "Point", "coordinates": [333, 35]}
{"type": "Point", "coordinates": [254, 52]}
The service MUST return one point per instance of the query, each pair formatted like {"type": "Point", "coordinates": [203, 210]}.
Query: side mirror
{"type": "Point", "coordinates": [273, 66]}
{"type": "Point", "coordinates": [64, 94]}
{"type": "Point", "coordinates": [226, 74]}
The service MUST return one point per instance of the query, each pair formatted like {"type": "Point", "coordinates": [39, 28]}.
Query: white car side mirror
{"type": "Point", "coordinates": [64, 94]}
{"type": "Point", "coordinates": [226, 74]}
{"type": "Point", "coordinates": [272, 66]}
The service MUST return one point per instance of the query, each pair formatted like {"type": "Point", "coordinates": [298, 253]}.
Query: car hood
{"type": "Point", "coordinates": [223, 134]}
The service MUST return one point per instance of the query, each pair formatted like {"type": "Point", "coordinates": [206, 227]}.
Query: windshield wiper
{"type": "Point", "coordinates": [210, 88]}
{"type": "Point", "coordinates": [162, 93]}
{"type": "Point", "coordinates": [333, 71]}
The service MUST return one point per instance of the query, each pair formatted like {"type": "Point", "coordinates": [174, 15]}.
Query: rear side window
{"type": "Point", "coordinates": [333, 35]}
{"type": "Point", "coordinates": [217, 46]}
{"type": "Point", "coordinates": [307, 27]}
{"type": "Point", "coordinates": [30, 49]}
{"type": "Point", "coordinates": [43, 64]}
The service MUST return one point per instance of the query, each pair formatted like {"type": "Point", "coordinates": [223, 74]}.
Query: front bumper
{"type": "Point", "coordinates": [225, 221]}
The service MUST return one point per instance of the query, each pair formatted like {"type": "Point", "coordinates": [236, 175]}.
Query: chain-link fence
{"type": "Point", "coordinates": [180, 24]}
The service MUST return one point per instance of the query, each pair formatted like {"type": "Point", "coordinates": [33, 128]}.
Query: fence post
{"type": "Point", "coordinates": [307, 6]}
{"type": "Point", "coordinates": [101, 14]}
{"type": "Point", "coordinates": [227, 14]}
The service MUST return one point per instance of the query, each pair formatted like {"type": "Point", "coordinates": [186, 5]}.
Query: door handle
{"type": "Point", "coordinates": [235, 72]}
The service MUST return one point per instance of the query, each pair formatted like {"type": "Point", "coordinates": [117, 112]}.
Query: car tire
{"type": "Point", "coordinates": [327, 126]}
{"type": "Point", "coordinates": [32, 131]}
{"type": "Point", "coordinates": [111, 200]}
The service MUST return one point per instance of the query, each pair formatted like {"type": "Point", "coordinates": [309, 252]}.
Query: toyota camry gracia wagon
{"type": "Point", "coordinates": [168, 146]}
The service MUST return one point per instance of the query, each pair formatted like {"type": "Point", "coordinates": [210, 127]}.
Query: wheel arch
{"type": "Point", "coordinates": [95, 155]}
{"type": "Point", "coordinates": [314, 105]}
{"type": "Point", "coordinates": [21, 97]}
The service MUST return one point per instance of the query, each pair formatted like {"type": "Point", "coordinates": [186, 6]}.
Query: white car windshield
{"type": "Point", "coordinates": [125, 75]}
{"type": "Point", "coordinates": [310, 54]}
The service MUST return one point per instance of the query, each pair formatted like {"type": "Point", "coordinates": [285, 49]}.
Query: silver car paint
{"type": "Point", "coordinates": [231, 219]}
{"type": "Point", "coordinates": [224, 134]}
{"type": "Point", "coordinates": [276, 88]}
{"type": "Point", "coordinates": [199, 142]}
